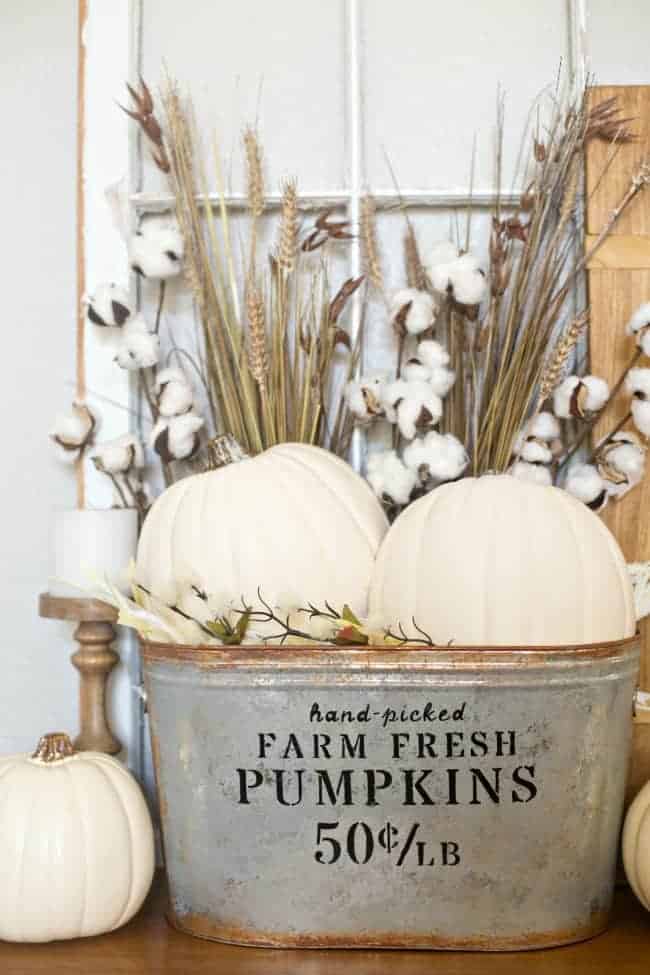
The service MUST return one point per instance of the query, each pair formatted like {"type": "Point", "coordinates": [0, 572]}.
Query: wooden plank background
{"type": "Point", "coordinates": [618, 282]}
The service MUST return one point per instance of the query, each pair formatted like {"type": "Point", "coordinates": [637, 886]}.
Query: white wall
{"type": "Point", "coordinates": [418, 67]}
{"type": "Point", "coordinates": [37, 175]}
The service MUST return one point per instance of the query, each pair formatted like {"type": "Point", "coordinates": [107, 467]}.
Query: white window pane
{"type": "Point", "coordinates": [432, 69]}
{"type": "Point", "coordinates": [618, 41]}
{"type": "Point", "coordinates": [223, 53]}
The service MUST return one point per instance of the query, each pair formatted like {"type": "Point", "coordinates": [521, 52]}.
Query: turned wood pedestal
{"type": "Point", "coordinates": [94, 660]}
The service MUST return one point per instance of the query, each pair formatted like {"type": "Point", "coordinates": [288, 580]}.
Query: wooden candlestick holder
{"type": "Point", "coordinates": [94, 660]}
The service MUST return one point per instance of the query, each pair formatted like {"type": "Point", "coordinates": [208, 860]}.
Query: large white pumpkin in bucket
{"type": "Point", "coordinates": [295, 522]}
{"type": "Point", "coordinates": [496, 561]}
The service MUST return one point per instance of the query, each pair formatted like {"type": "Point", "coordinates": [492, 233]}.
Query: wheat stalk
{"type": "Point", "coordinates": [416, 275]}
{"type": "Point", "coordinates": [258, 359]}
{"type": "Point", "coordinates": [372, 259]}
{"type": "Point", "coordinates": [254, 172]}
{"type": "Point", "coordinates": [288, 237]}
{"type": "Point", "coordinates": [555, 366]}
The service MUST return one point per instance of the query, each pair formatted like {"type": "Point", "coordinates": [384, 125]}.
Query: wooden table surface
{"type": "Point", "coordinates": [149, 945]}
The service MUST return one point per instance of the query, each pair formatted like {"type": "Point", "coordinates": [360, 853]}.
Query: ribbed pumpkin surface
{"type": "Point", "coordinates": [76, 847]}
{"type": "Point", "coordinates": [495, 561]}
{"type": "Point", "coordinates": [295, 521]}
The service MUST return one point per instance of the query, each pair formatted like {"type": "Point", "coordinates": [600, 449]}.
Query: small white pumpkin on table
{"type": "Point", "coordinates": [77, 849]}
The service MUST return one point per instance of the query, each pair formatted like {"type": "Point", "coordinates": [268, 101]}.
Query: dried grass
{"type": "Point", "coordinates": [272, 353]}
{"type": "Point", "coordinates": [504, 370]}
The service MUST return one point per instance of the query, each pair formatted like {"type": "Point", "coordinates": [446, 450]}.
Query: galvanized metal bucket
{"type": "Point", "coordinates": [461, 798]}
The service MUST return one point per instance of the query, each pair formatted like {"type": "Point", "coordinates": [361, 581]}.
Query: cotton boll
{"type": "Point", "coordinates": [466, 262]}
{"type": "Point", "coordinates": [544, 425]}
{"type": "Point", "coordinates": [621, 463]}
{"type": "Point", "coordinates": [534, 473]}
{"type": "Point", "coordinates": [413, 311]}
{"type": "Point", "coordinates": [469, 287]}
{"type": "Point", "coordinates": [73, 431]}
{"type": "Point", "coordinates": [643, 341]}
{"type": "Point", "coordinates": [440, 277]}
{"type": "Point", "coordinates": [627, 457]}
{"type": "Point", "coordinates": [176, 437]}
{"type": "Point", "coordinates": [641, 415]}
{"type": "Point", "coordinates": [579, 396]}
{"type": "Point", "coordinates": [173, 393]}
{"type": "Point", "coordinates": [441, 380]}
{"type": "Point", "coordinates": [638, 383]}
{"type": "Point", "coordinates": [535, 451]}
{"type": "Point", "coordinates": [119, 456]}
{"type": "Point", "coordinates": [363, 397]}
{"type": "Point", "coordinates": [447, 457]}
{"type": "Point", "coordinates": [156, 251]}
{"type": "Point", "coordinates": [442, 252]}
{"type": "Point", "coordinates": [414, 370]}
{"type": "Point", "coordinates": [389, 478]}
{"type": "Point", "coordinates": [416, 457]}
{"type": "Point", "coordinates": [585, 483]}
{"type": "Point", "coordinates": [390, 395]}
{"type": "Point", "coordinates": [418, 408]}
{"type": "Point", "coordinates": [109, 305]}
{"type": "Point", "coordinates": [432, 354]}
{"type": "Point", "coordinates": [639, 320]}
{"type": "Point", "coordinates": [138, 347]}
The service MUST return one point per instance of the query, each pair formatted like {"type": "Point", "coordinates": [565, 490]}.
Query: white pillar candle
{"type": "Point", "coordinates": [87, 544]}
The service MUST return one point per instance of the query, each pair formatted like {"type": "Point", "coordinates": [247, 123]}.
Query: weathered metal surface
{"type": "Point", "coordinates": [457, 798]}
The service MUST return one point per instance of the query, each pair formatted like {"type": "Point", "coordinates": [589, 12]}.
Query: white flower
{"type": "Point", "coordinates": [119, 456]}
{"type": "Point", "coordinates": [639, 320]}
{"type": "Point", "coordinates": [138, 347]}
{"type": "Point", "coordinates": [412, 405]}
{"type": "Point", "coordinates": [73, 431]}
{"type": "Point", "coordinates": [174, 394]}
{"type": "Point", "coordinates": [432, 354]}
{"type": "Point", "coordinates": [363, 397]}
{"type": "Point", "coordinates": [621, 463]}
{"type": "Point", "coordinates": [389, 478]}
{"type": "Point", "coordinates": [544, 425]}
{"type": "Point", "coordinates": [176, 437]}
{"type": "Point", "coordinates": [585, 483]}
{"type": "Point", "coordinates": [413, 311]}
{"type": "Point", "coordinates": [156, 250]}
{"type": "Point", "coordinates": [534, 473]}
{"type": "Point", "coordinates": [109, 305]}
{"type": "Point", "coordinates": [579, 396]}
{"type": "Point", "coordinates": [441, 457]}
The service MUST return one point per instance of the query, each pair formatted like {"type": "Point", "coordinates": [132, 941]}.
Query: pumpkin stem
{"type": "Point", "coordinates": [53, 747]}
{"type": "Point", "coordinates": [221, 451]}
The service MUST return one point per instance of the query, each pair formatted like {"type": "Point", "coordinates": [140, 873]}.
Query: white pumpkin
{"type": "Point", "coordinates": [76, 844]}
{"type": "Point", "coordinates": [496, 561]}
{"type": "Point", "coordinates": [636, 846]}
{"type": "Point", "coordinates": [295, 522]}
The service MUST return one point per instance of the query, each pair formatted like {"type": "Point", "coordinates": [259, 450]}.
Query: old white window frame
{"type": "Point", "coordinates": [109, 150]}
